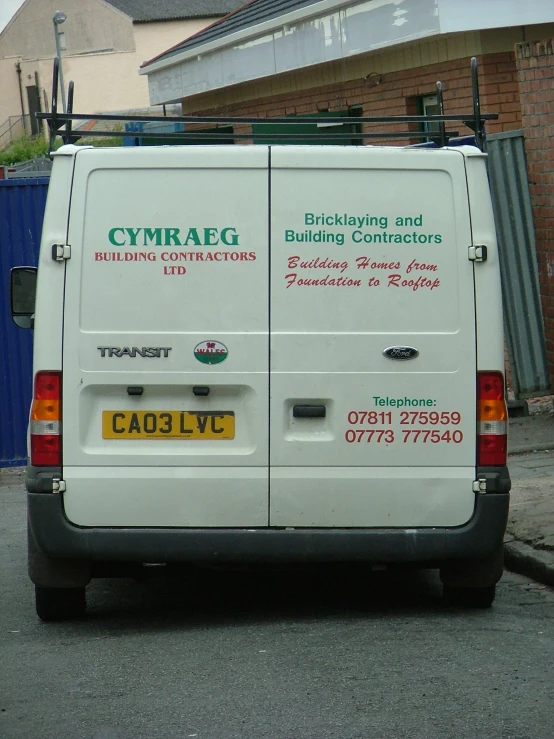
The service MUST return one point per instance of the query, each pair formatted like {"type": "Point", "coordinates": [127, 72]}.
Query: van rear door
{"type": "Point", "coordinates": [373, 358]}
{"type": "Point", "coordinates": [165, 356]}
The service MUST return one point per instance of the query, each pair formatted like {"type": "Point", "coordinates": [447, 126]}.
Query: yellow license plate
{"type": "Point", "coordinates": [216, 425]}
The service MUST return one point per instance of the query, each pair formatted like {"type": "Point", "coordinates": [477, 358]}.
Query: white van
{"type": "Point", "coordinates": [266, 353]}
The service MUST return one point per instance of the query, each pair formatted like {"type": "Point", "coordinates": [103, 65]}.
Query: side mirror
{"type": "Point", "coordinates": [23, 292]}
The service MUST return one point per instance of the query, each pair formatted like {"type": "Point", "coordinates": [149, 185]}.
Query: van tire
{"type": "Point", "coordinates": [469, 597]}
{"type": "Point", "coordinates": [60, 604]}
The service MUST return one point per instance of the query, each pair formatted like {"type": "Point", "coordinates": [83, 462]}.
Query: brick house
{"type": "Point", "coordinates": [379, 57]}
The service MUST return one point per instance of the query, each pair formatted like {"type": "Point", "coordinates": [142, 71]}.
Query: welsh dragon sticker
{"type": "Point", "coordinates": [211, 352]}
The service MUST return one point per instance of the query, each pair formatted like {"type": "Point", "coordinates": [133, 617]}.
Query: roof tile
{"type": "Point", "coordinates": [143, 11]}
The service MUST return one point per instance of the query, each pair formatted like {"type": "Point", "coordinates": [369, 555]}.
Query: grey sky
{"type": "Point", "coordinates": [7, 9]}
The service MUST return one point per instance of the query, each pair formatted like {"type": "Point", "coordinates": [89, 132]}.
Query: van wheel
{"type": "Point", "coordinates": [60, 604]}
{"type": "Point", "coordinates": [469, 597]}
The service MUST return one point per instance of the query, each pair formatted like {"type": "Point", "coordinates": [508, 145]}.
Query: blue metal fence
{"type": "Point", "coordinates": [22, 205]}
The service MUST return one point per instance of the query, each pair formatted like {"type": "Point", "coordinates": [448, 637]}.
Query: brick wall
{"type": "Point", "coordinates": [397, 92]}
{"type": "Point", "coordinates": [499, 88]}
{"type": "Point", "coordinates": [535, 65]}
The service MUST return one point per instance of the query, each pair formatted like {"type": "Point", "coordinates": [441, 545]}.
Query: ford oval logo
{"type": "Point", "coordinates": [401, 352]}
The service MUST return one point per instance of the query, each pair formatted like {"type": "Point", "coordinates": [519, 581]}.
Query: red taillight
{"type": "Point", "coordinates": [46, 450]}
{"type": "Point", "coordinates": [48, 385]}
{"type": "Point", "coordinates": [492, 450]}
{"type": "Point", "coordinates": [46, 446]}
{"type": "Point", "coordinates": [492, 420]}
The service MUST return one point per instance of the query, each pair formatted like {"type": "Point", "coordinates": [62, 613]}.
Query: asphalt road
{"type": "Point", "coordinates": [290, 655]}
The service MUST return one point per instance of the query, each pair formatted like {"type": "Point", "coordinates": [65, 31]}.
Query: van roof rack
{"type": "Point", "coordinates": [62, 124]}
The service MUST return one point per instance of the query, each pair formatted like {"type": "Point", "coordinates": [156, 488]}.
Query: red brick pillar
{"type": "Point", "coordinates": [535, 65]}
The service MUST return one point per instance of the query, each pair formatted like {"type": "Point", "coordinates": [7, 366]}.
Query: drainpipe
{"type": "Point", "coordinates": [18, 70]}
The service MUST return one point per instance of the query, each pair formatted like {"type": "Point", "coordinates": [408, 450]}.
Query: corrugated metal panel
{"type": "Point", "coordinates": [22, 205]}
{"type": "Point", "coordinates": [518, 263]}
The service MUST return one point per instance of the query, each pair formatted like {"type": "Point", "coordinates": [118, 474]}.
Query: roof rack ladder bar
{"type": "Point", "coordinates": [69, 137]}
{"type": "Point", "coordinates": [290, 120]}
{"type": "Point", "coordinates": [479, 125]}
{"type": "Point", "coordinates": [442, 126]}
{"type": "Point", "coordinates": [52, 121]}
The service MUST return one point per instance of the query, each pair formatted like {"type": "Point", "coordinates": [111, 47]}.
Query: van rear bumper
{"type": "Point", "coordinates": [56, 537]}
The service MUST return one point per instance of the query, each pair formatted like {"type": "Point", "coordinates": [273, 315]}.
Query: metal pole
{"type": "Point", "coordinates": [59, 55]}
{"type": "Point", "coordinates": [18, 70]}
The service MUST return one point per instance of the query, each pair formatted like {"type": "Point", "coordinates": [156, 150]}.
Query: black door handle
{"type": "Point", "coordinates": [309, 411]}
